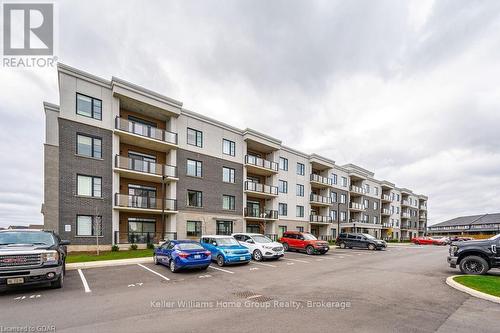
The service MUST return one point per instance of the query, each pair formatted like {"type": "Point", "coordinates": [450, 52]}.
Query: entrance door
{"type": "Point", "coordinates": [253, 208]}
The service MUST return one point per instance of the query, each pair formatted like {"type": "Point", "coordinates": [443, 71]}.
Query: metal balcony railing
{"type": "Point", "coordinates": [257, 187]}
{"type": "Point", "coordinates": [319, 218]}
{"type": "Point", "coordinates": [133, 164]}
{"type": "Point", "coordinates": [357, 189]}
{"type": "Point", "coordinates": [386, 197]}
{"type": "Point", "coordinates": [144, 202]}
{"type": "Point", "coordinates": [260, 162]}
{"type": "Point", "coordinates": [358, 206]}
{"type": "Point", "coordinates": [144, 130]}
{"type": "Point", "coordinates": [261, 213]}
{"type": "Point", "coordinates": [320, 179]}
{"type": "Point", "coordinates": [320, 199]}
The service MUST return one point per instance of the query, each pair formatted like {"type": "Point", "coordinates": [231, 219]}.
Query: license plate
{"type": "Point", "coordinates": [15, 281]}
{"type": "Point", "coordinates": [197, 256]}
{"type": "Point", "coordinates": [243, 258]}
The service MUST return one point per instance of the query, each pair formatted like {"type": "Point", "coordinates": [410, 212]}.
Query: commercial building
{"type": "Point", "coordinates": [477, 226]}
{"type": "Point", "coordinates": [124, 164]}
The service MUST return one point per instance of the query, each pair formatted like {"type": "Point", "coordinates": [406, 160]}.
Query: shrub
{"type": "Point", "coordinates": [133, 247]}
{"type": "Point", "coordinates": [150, 246]}
{"type": "Point", "coordinates": [115, 248]}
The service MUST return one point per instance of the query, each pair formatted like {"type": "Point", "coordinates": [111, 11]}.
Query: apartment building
{"type": "Point", "coordinates": [123, 164]}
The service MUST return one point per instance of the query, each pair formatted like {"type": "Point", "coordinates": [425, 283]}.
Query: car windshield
{"type": "Point", "coordinates": [261, 239]}
{"type": "Point", "coordinates": [309, 237]}
{"type": "Point", "coordinates": [26, 237]}
{"type": "Point", "coordinates": [189, 246]}
{"type": "Point", "coordinates": [227, 241]}
{"type": "Point", "coordinates": [369, 236]}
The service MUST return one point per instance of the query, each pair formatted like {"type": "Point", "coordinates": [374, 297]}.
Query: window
{"type": "Point", "coordinates": [87, 225]}
{"type": "Point", "coordinates": [282, 186]}
{"type": "Point", "coordinates": [397, 210]}
{"type": "Point", "coordinates": [194, 168]}
{"type": "Point", "coordinates": [89, 186]}
{"type": "Point", "coordinates": [343, 216]}
{"type": "Point", "coordinates": [228, 175]}
{"type": "Point", "coordinates": [300, 190]}
{"type": "Point", "coordinates": [376, 190]}
{"type": "Point", "coordinates": [334, 232]}
{"type": "Point", "coordinates": [194, 198]}
{"type": "Point", "coordinates": [397, 197]}
{"type": "Point", "coordinates": [224, 228]}
{"type": "Point", "coordinates": [88, 106]}
{"type": "Point", "coordinates": [366, 203]}
{"type": "Point", "coordinates": [343, 198]}
{"type": "Point", "coordinates": [367, 188]}
{"type": "Point", "coordinates": [344, 181]}
{"type": "Point", "coordinates": [300, 229]}
{"type": "Point", "coordinates": [281, 230]}
{"type": "Point", "coordinates": [193, 229]}
{"type": "Point", "coordinates": [301, 169]}
{"type": "Point", "coordinates": [194, 137]}
{"type": "Point", "coordinates": [88, 146]}
{"type": "Point", "coordinates": [334, 177]}
{"type": "Point", "coordinates": [333, 195]}
{"type": "Point", "coordinates": [300, 211]}
{"type": "Point", "coordinates": [375, 219]}
{"type": "Point", "coordinates": [282, 209]}
{"type": "Point", "coordinates": [366, 218]}
{"type": "Point", "coordinates": [375, 205]}
{"type": "Point", "coordinates": [228, 202]}
{"type": "Point", "coordinates": [228, 147]}
{"type": "Point", "coordinates": [283, 164]}
{"type": "Point", "coordinates": [333, 215]}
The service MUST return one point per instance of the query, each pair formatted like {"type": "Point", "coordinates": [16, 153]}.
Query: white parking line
{"type": "Point", "coordinates": [297, 260]}
{"type": "Point", "coordinates": [84, 281]}
{"type": "Point", "coordinates": [261, 263]}
{"type": "Point", "coordinates": [220, 269]}
{"type": "Point", "coordinates": [149, 269]}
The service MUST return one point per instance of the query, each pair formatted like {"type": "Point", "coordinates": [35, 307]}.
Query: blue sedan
{"type": "Point", "coordinates": [182, 254]}
{"type": "Point", "coordinates": [226, 250]}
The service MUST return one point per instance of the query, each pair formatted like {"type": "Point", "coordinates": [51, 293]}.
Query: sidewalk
{"type": "Point", "coordinates": [107, 263]}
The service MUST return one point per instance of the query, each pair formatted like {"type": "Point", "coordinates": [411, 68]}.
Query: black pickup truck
{"type": "Point", "coordinates": [475, 256]}
{"type": "Point", "coordinates": [30, 257]}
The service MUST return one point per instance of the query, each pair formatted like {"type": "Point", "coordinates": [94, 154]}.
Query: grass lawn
{"type": "Point", "coordinates": [485, 283]}
{"type": "Point", "coordinates": [107, 255]}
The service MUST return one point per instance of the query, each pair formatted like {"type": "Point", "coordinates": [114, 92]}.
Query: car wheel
{"type": "Point", "coordinates": [342, 245]}
{"type": "Point", "coordinates": [310, 250]}
{"type": "Point", "coordinates": [257, 255]}
{"type": "Point", "coordinates": [473, 265]}
{"type": "Point", "coordinates": [155, 260]}
{"type": "Point", "coordinates": [286, 247]}
{"type": "Point", "coordinates": [371, 247]}
{"type": "Point", "coordinates": [57, 284]}
{"type": "Point", "coordinates": [173, 266]}
{"type": "Point", "coordinates": [220, 260]}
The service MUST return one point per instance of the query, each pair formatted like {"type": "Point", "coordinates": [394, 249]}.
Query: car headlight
{"type": "Point", "coordinates": [453, 249]}
{"type": "Point", "coordinates": [51, 257]}
{"type": "Point", "coordinates": [267, 247]}
{"type": "Point", "coordinates": [227, 251]}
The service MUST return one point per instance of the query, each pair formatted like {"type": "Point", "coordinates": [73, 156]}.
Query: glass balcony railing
{"type": "Point", "coordinates": [260, 162]}
{"type": "Point", "coordinates": [152, 168]}
{"type": "Point", "coordinates": [145, 130]}
{"type": "Point", "coordinates": [144, 202]}
{"type": "Point", "coordinates": [261, 188]}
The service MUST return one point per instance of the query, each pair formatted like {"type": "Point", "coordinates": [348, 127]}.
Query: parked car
{"type": "Point", "coordinates": [476, 256]}
{"type": "Point", "coordinates": [440, 241]}
{"type": "Point", "coordinates": [182, 254]}
{"type": "Point", "coordinates": [422, 240]}
{"type": "Point", "coordinates": [460, 239]}
{"type": "Point", "coordinates": [29, 257]}
{"type": "Point", "coordinates": [226, 250]}
{"type": "Point", "coordinates": [260, 246]}
{"type": "Point", "coordinates": [365, 241]}
{"type": "Point", "coordinates": [303, 241]}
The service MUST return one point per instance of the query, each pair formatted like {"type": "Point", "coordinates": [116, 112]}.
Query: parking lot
{"type": "Point", "coordinates": [401, 288]}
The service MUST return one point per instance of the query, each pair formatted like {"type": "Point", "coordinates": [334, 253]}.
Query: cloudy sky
{"type": "Point", "coordinates": [408, 89]}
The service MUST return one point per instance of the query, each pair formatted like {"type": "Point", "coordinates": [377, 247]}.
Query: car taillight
{"type": "Point", "coordinates": [183, 254]}
{"type": "Point", "coordinates": [208, 253]}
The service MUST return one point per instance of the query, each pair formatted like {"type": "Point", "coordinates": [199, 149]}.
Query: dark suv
{"type": "Point", "coordinates": [365, 241]}
{"type": "Point", "coordinates": [30, 257]}
{"type": "Point", "coordinates": [475, 256]}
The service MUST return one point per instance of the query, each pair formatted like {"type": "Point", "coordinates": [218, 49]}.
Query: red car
{"type": "Point", "coordinates": [303, 241]}
{"type": "Point", "coordinates": [422, 241]}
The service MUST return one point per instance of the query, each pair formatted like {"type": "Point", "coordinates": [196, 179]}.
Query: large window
{"type": "Point", "coordinates": [88, 106]}
{"type": "Point", "coordinates": [300, 190]}
{"type": "Point", "coordinates": [224, 228]}
{"type": "Point", "coordinates": [194, 137]}
{"type": "Point", "coordinates": [344, 181]}
{"type": "Point", "coordinates": [343, 198]}
{"type": "Point", "coordinates": [228, 147]}
{"type": "Point", "coordinates": [193, 229]}
{"type": "Point", "coordinates": [333, 195]}
{"type": "Point", "coordinates": [343, 216]}
{"type": "Point", "coordinates": [282, 186]}
{"type": "Point", "coordinates": [87, 225]}
{"type": "Point", "coordinates": [301, 169]}
{"type": "Point", "coordinates": [333, 215]}
{"type": "Point", "coordinates": [300, 211]}
{"type": "Point", "coordinates": [194, 198]}
{"type": "Point", "coordinates": [282, 209]}
{"type": "Point", "coordinates": [228, 202]}
{"type": "Point", "coordinates": [194, 168]}
{"type": "Point", "coordinates": [334, 177]}
{"type": "Point", "coordinates": [300, 229]}
{"type": "Point", "coordinates": [228, 175]}
{"type": "Point", "coordinates": [283, 164]}
{"type": "Point", "coordinates": [89, 186]}
{"type": "Point", "coordinates": [88, 146]}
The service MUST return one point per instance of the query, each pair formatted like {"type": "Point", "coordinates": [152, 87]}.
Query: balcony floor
{"type": "Point", "coordinates": [143, 141]}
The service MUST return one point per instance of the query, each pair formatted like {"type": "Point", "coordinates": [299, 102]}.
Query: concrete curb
{"type": "Point", "coordinates": [108, 263]}
{"type": "Point", "coordinates": [452, 283]}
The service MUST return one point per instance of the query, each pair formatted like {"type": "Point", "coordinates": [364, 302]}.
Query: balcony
{"type": "Point", "coordinates": [386, 212]}
{"type": "Point", "coordinates": [260, 214]}
{"type": "Point", "coordinates": [143, 237]}
{"type": "Point", "coordinates": [260, 166]}
{"type": "Point", "coordinates": [386, 198]}
{"type": "Point", "coordinates": [320, 181]}
{"type": "Point", "coordinates": [405, 215]}
{"type": "Point", "coordinates": [405, 203]}
{"type": "Point", "coordinates": [320, 219]}
{"type": "Point", "coordinates": [145, 136]}
{"type": "Point", "coordinates": [357, 207]}
{"type": "Point", "coordinates": [422, 207]}
{"type": "Point", "coordinates": [319, 200]}
{"type": "Point", "coordinates": [143, 170]}
{"type": "Point", "coordinates": [422, 217]}
{"type": "Point", "coordinates": [134, 203]}
{"type": "Point", "coordinates": [260, 190]}
{"type": "Point", "coordinates": [356, 191]}
{"type": "Point", "coordinates": [386, 225]}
